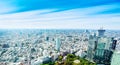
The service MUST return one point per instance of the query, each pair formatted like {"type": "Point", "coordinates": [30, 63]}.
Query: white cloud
{"type": "Point", "coordinates": [75, 18]}
{"type": "Point", "coordinates": [6, 7]}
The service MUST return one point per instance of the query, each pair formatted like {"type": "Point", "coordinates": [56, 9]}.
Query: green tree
{"type": "Point", "coordinates": [60, 58]}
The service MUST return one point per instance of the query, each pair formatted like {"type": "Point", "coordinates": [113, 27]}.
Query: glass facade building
{"type": "Point", "coordinates": [100, 48]}
{"type": "Point", "coordinates": [116, 58]}
{"type": "Point", "coordinates": [58, 44]}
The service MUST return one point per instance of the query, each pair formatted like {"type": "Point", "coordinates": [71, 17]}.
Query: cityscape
{"type": "Point", "coordinates": [42, 47]}
{"type": "Point", "coordinates": [59, 32]}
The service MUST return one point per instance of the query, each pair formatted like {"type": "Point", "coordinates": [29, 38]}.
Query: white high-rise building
{"type": "Point", "coordinates": [58, 44]}
{"type": "Point", "coordinates": [116, 58]}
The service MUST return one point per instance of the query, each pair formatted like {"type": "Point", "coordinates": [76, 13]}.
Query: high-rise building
{"type": "Point", "coordinates": [100, 48]}
{"type": "Point", "coordinates": [58, 44]}
{"type": "Point", "coordinates": [91, 47]}
{"type": "Point", "coordinates": [103, 52]}
{"type": "Point", "coordinates": [114, 44]}
{"type": "Point", "coordinates": [101, 32]}
{"type": "Point", "coordinates": [116, 58]}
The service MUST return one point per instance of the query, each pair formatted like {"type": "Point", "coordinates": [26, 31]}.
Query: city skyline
{"type": "Point", "coordinates": [68, 14]}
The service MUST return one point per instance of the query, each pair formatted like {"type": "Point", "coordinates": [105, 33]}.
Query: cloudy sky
{"type": "Point", "coordinates": [60, 14]}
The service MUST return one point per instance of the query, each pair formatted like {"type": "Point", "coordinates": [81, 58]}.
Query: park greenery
{"type": "Point", "coordinates": [70, 61]}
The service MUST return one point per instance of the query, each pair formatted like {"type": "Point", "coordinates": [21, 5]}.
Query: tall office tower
{"type": "Point", "coordinates": [114, 42]}
{"type": "Point", "coordinates": [91, 47]}
{"type": "Point", "coordinates": [101, 32]}
{"type": "Point", "coordinates": [58, 44]}
{"type": "Point", "coordinates": [99, 48]}
{"type": "Point", "coordinates": [103, 52]}
{"type": "Point", "coordinates": [116, 58]}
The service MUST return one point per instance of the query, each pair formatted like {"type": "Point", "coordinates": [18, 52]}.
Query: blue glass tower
{"type": "Point", "coordinates": [101, 32]}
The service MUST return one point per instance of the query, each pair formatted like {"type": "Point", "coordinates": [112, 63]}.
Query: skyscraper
{"type": "Point", "coordinates": [103, 52]}
{"type": "Point", "coordinates": [116, 58]}
{"type": "Point", "coordinates": [100, 48]}
{"type": "Point", "coordinates": [58, 44]}
{"type": "Point", "coordinates": [101, 32]}
{"type": "Point", "coordinates": [91, 47]}
{"type": "Point", "coordinates": [114, 44]}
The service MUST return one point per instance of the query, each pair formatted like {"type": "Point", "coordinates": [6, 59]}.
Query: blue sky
{"type": "Point", "coordinates": [60, 14]}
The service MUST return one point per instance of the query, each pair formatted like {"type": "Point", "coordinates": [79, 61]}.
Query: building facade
{"type": "Point", "coordinates": [100, 48]}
